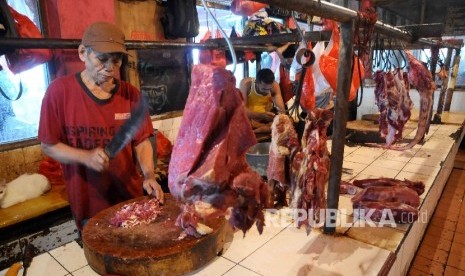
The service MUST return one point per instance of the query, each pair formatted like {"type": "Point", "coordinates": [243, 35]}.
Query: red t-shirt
{"type": "Point", "coordinates": [71, 114]}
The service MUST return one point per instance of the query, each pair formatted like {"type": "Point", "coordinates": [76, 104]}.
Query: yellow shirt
{"type": "Point", "coordinates": [257, 102]}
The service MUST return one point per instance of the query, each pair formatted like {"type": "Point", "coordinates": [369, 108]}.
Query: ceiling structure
{"type": "Point", "coordinates": [446, 17]}
{"type": "Point", "coordinates": [423, 18]}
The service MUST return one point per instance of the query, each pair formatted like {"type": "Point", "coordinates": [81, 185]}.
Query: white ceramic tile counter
{"type": "Point", "coordinates": [283, 249]}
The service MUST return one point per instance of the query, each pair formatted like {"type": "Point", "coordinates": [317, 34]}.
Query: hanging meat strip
{"type": "Point", "coordinates": [310, 168]}
{"type": "Point", "coordinates": [284, 145]}
{"type": "Point", "coordinates": [394, 104]}
{"type": "Point", "coordinates": [422, 80]}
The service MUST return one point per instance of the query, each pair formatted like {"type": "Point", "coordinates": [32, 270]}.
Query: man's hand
{"type": "Point", "coordinates": [264, 117]}
{"type": "Point", "coordinates": [152, 187]}
{"type": "Point", "coordinates": [97, 159]}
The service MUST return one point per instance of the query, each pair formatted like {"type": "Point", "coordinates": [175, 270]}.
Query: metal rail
{"type": "Point", "coordinates": [341, 14]}
{"type": "Point", "coordinates": [47, 43]}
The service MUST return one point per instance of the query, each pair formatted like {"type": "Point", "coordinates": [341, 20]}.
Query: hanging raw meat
{"type": "Point", "coordinates": [307, 98]}
{"type": "Point", "coordinates": [284, 145]}
{"type": "Point", "coordinates": [208, 172]}
{"type": "Point", "coordinates": [310, 168]}
{"type": "Point", "coordinates": [420, 77]}
{"type": "Point", "coordinates": [285, 84]}
{"type": "Point", "coordinates": [394, 104]}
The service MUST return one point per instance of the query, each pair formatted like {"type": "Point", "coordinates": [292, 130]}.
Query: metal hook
{"type": "Point", "coordinates": [403, 57]}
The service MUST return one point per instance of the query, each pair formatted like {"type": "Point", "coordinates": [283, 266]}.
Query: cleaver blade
{"type": "Point", "coordinates": [127, 130]}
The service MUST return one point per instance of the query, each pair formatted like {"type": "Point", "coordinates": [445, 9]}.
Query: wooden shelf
{"type": "Point", "coordinates": [54, 199]}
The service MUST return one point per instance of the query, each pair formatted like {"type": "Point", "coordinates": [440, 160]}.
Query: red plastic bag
{"type": "Point", "coordinates": [205, 56]}
{"type": "Point", "coordinates": [164, 146]}
{"type": "Point", "coordinates": [329, 65]}
{"type": "Point", "coordinates": [307, 98]}
{"type": "Point", "coordinates": [285, 84]}
{"type": "Point", "coordinates": [25, 59]}
{"type": "Point", "coordinates": [52, 170]}
{"type": "Point", "coordinates": [219, 56]}
{"type": "Point", "coordinates": [329, 68]}
{"type": "Point", "coordinates": [212, 56]}
{"type": "Point", "coordinates": [246, 8]}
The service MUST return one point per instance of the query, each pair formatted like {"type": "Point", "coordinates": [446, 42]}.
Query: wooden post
{"type": "Point", "coordinates": [340, 120]}
{"type": "Point", "coordinates": [452, 81]}
{"type": "Point", "coordinates": [442, 95]}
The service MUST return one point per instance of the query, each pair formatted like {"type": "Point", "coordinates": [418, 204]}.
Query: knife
{"type": "Point", "coordinates": [127, 130]}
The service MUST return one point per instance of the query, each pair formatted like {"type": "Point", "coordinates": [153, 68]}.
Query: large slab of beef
{"type": "Point", "coordinates": [310, 168]}
{"type": "Point", "coordinates": [208, 172]}
{"type": "Point", "coordinates": [283, 147]}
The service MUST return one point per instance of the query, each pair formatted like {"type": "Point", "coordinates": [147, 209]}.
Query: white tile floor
{"type": "Point", "coordinates": [283, 249]}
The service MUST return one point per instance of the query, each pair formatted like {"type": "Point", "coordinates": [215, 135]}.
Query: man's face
{"type": "Point", "coordinates": [264, 88]}
{"type": "Point", "coordinates": [103, 67]}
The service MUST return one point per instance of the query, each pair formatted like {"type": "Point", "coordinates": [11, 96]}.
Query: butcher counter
{"type": "Point", "coordinates": [357, 248]}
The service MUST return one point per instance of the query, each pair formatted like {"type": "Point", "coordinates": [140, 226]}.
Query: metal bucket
{"type": "Point", "coordinates": [257, 157]}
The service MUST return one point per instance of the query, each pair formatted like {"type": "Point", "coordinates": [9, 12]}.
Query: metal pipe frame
{"type": "Point", "coordinates": [341, 110]}
{"type": "Point", "coordinates": [437, 117]}
{"type": "Point", "coordinates": [452, 80]}
{"type": "Point", "coordinates": [341, 14]}
{"type": "Point", "coordinates": [253, 43]}
{"type": "Point", "coordinates": [47, 43]}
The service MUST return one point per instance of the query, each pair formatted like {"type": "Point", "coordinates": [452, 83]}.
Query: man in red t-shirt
{"type": "Point", "coordinates": [79, 116]}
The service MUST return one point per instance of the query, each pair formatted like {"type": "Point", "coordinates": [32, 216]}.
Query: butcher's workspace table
{"type": "Point", "coordinates": [283, 249]}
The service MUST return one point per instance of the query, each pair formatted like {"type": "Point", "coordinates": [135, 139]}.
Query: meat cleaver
{"type": "Point", "coordinates": [127, 130]}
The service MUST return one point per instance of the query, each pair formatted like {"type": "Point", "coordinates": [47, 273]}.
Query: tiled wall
{"type": "Point", "coordinates": [368, 105]}
{"type": "Point", "coordinates": [15, 162]}
{"type": "Point", "coordinates": [169, 127]}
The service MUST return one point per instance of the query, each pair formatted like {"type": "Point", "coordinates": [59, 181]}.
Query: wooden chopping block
{"type": "Point", "coordinates": [150, 249]}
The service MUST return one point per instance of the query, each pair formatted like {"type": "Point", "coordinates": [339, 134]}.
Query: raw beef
{"type": "Point", "coordinates": [135, 213]}
{"type": "Point", "coordinates": [422, 80]}
{"type": "Point", "coordinates": [310, 167]}
{"type": "Point", "coordinates": [394, 104]}
{"type": "Point", "coordinates": [375, 210]}
{"type": "Point", "coordinates": [388, 194]}
{"type": "Point", "coordinates": [284, 145]}
{"type": "Point", "coordinates": [380, 195]}
{"type": "Point", "coordinates": [208, 172]}
{"type": "Point", "coordinates": [417, 186]}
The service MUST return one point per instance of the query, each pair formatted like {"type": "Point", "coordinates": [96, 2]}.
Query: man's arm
{"type": "Point", "coordinates": [95, 159]}
{"type": "Point", "coordinates": [144, 152]}
{"type": "Point", "coordinates": [244, 87]}
{"type": "Point", "coordinates": [277, 97]}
